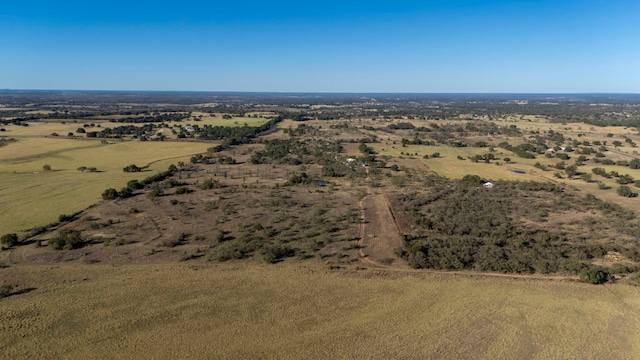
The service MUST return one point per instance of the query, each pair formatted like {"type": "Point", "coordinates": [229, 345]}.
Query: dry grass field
{"type": "Point", "coordinates": [240, 256]}
{"type": "Point", "coordinates": [241, 311]}
{"type": "Point", "coordinates": [31, 197]}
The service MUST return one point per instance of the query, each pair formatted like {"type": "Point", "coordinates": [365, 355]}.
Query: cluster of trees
{"type": "Point", "coordinates": [133, 185]}
{"type": "Point", "coordinates": [119, 131]}
{"type": "Point", "coordinates": [157, 118]}
{"type": "Point", "coordinates": [402, 126]}
{"type": "Point", "coordinates": [461, 225]}
{"type": "Point", "coordinates": [525, 150]}
{"type": "Point", "coordinates": [621, 179]}
{"type": "Point", "coordinates": [417, 141]}
{"type": "Point", "coordinates": [294, 151]}
{"type": "Point", "coordinates": [66, 240]}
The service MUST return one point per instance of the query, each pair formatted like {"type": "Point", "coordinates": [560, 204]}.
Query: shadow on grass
{"type": "Point", "coordinates": [7, 291]}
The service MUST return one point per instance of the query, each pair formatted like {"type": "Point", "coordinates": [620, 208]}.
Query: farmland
{"type": "Point", "coordinates": [33, 197]}
{"type": "Point", "coordinates": [293, 311]}
{"type": "Point", "coordinates": [319, 226]}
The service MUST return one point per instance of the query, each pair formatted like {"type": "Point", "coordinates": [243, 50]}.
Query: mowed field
{"type": "Point", "coordinates": [290, 311]}
{"type": "Point", "coordinates": [32, 197]}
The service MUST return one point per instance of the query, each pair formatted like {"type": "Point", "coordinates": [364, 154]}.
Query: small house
{"type": "Point", "coordinates": [488, 185]}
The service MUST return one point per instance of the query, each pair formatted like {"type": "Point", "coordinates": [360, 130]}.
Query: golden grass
{"type": "Point", "coordinates": [31, 197]}
{"type": "Point", "coordinates": [293, 312]}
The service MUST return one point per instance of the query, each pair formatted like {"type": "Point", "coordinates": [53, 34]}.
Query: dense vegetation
{"type": "Point", "coordinates": [509, 228]}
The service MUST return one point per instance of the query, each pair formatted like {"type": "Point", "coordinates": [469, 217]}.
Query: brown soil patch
{"type": "Point", "coordinates": [379, 231]}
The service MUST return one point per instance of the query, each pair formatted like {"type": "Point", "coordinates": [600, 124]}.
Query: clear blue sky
{"type": "Point", "coordinates": [322, 46]}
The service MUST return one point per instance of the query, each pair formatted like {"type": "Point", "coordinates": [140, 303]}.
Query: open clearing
{"type": "Point", "coordinates": [31, 197]}
{"type": "Point", "coordinates": [291, 312]}
{"type": "Point", "coordinates": [379, 235]}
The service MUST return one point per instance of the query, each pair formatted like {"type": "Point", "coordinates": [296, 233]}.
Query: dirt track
{"type": "Point", "coordinates": [379, 234]}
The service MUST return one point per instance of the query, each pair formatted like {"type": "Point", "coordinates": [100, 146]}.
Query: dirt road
{"type": "Point", "coordinates": [379, 234]}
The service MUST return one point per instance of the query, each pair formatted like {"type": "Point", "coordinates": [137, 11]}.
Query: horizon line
{"type": "Point", "coordinates": [323, 92]}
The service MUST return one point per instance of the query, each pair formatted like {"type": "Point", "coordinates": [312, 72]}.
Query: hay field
{"type": "Point", "coordinates": [31, 197]}
{"type": "Point", "coordinates": [241, 311]}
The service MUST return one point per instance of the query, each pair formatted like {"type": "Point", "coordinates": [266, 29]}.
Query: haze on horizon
{"type": "Point", "coordinates": [459, 46]}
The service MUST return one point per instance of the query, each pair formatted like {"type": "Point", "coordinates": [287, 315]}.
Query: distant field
{"type": "Point", "coordinates": [30, 196]}
{"type": "Point", "coordinates": [49, 127]}
{"type": "Point", "coordinates": [240, 311]}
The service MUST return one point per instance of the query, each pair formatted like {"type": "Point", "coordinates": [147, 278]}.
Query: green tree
{"type": "Point", "coordinates": [9, 240]}
{"type": "Point", "coordinates": [593, 275]}
{"type": "Point", "coordinates": [571, 170]}
{"type": "Point", "coordinates": [66, 240]}
{"type": "Point", "coordinates": [625, 191]}
{"type": "Point", "coordinates": [131, 168]}
{"type": "Point", "coordinates": [110, 194]}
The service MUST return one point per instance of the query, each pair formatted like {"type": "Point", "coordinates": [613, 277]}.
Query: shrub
{"type": "Point", "coordinates": [9, 239]}
{"type": "Point", "coordinates": [135, 185]}
{"type": "Point", "coordinates": [211, 184]}
{"type": "Point", "coordinates": [65, 218]}
{"type": "Point", "coordinates": [110, 194]}
{"type": "Point", "coordinates": [125, 193]}
{"type": "Point", "coordinates": [593, 275]}
{"type": "Point", "coordinates": [625, 191]}
{"type": "Point", "coordinates": [5, 291]}
{"type": "Point", "coordinates": [276, 253]}
{"type": "Point", "coordinates": [131, 168]}
{"type": "Point", "coordinates": [182, 190]}
{"type": "Point", "coordinates": [156, 191]}
{"type": "Point", "coordinates": [66, 240]}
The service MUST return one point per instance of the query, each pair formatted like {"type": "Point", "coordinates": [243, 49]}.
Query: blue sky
{"type": "Point", "coordinates": [450, 46]}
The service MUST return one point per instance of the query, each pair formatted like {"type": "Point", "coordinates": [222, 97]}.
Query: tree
{"type": "Point", "coordinates": [9, 239]}
{"type": "Point", "coordinates": [571, 170]}
{"type": "Point", "coordinates": [507, 160]}
{"type": "Point", "coordinates": [46, 167]}
{"type": "Point", "coordinates": [110, 194]}
{"type": "Point", "coordinates": [135, 185]}
{"type": "Point", "coordinates": [625, 191]}
{"type": "Point", "coordinates": [66, 240]}
{"type": "Point", "coordinates": [625, 179]}
{"type": "Point", "coordinates": [131, 168]}
{"type": "Point", "coordinates": [594, 275]}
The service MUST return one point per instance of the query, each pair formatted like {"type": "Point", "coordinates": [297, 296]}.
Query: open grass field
{"type": "Point", "coordinates": [240, 311]}
{"type": "Point", "coordinates": [31, 197]}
